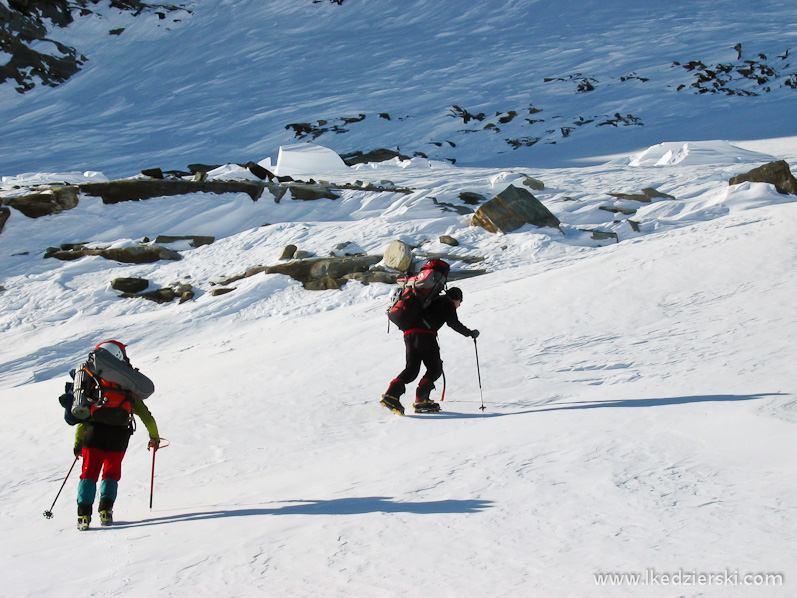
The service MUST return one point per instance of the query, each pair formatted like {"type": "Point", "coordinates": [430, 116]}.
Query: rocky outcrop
{"type": "Point", "coordinates": [112, 192]}
{"type": "Point", "coordinates": [44, 203]}
{"type": "Point", "coordinates": [334, 272]}
{"type": "Point", "coordinates": [310, 271]}
{"type": "Point", "coordinates": [33, 55]}
{"type": "Point", "coordinates": [194, 240]}
{"type": "Point", "coordinates": [511, 209]}
{"type": "Point", "coordinates": [774, 173]}
{"type": "Point", "coordinates": [141, 254]}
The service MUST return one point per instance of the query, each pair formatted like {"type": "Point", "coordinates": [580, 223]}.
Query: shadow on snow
{"type": "Point", "coordinates": [661, 402]}
{"type": "Point", "coordinates": [340, 506]}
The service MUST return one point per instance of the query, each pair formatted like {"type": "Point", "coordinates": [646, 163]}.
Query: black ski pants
{"type": "Point", "coordinates": [421, 349]}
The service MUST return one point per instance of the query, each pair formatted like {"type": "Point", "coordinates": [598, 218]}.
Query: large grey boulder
{"type": "Point", "coordinates": [774, 173]}
{"type": "Point", "coordinates": [511, 209]}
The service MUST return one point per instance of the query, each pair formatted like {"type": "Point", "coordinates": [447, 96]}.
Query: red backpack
{"type": "Point", "coordinates": [416, 292]}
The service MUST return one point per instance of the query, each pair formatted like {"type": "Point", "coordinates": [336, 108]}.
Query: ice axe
{"type": "Point", "coordinates": [49, 512]}
{"type": "Point", "coordinates": [154, 446]}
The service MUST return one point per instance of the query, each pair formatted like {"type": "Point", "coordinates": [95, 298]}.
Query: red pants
{"type": "Point", "coordinates": [95, 460]}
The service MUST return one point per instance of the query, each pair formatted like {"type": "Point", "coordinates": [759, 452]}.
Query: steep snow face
{"type": "Point", "coordinates": [485, 84]}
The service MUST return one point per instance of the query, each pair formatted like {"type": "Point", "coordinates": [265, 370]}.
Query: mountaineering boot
{"type": "Point", "coordinates": [426, 406]}
{"type": "Point", "coordinates": [393, 404]}
{"type": "Point", "coordinates": [105, 507]}
{"type": "Point", "coordinates": [83, 516]}
{"type": "Point", "coordinates": [106, 518]}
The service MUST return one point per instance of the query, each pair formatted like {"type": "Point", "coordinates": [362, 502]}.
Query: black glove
{"type": "Point", "coordinates": [154, 443]}
{"type": "Point", "coordinates": [77, 450]}
{"type": "Point", "coordinates": [474, 333]}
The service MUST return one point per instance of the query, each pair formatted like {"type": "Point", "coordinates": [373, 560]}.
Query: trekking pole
{"type": "Point", "coordinates": [478, 371]}
{"type": "Point", "coordinates": [49, 512]}
{"type": "Point", "coordinates": [443, 396]}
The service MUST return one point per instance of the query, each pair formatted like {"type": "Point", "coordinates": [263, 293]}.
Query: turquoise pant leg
{"type": "Point", "coordinates": [108, 489]}
{"type": "Point", "coordinates": [86, 490]}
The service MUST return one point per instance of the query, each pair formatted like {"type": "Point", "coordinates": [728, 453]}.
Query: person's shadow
{"type": "Point", "coordinates": [339, 506]}
{"type": "Point", "coordinates": [627, 403]}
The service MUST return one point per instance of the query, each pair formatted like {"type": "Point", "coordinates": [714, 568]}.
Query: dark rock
{"type": "Point", "coordinates": [599, 235]}
{"type": "Point", "coordinates": [221, 291]}
{"type": "Point", "coordinates": [448, 240]}
{"type": "Point", "coordinates": [160, 296]}
{"type": "Point", "coordinates": [511, 209]}
{"type": "Point", "coordinates": [44, 203]}
{"type": "Point", "coordinates": [774, 173]}
{"type": "Point", "coordinates": [533, 183]}
{"type": "Point", "coordinates": [5, 213]}
{"type": "Point", "coordinates": [472, 199]}
{"type": "Point", "coordinates": [311, 192]}
{"type": "Point", "coordinates": [195, 240]}
{"type": "Point", "coordinates": [288, 252]}
{"type": "Point", "coordinates": [640, 197]}
{"type": "Point", "coordinates": [203, 168]}
{"type": "Point", "coordinates": [618, 210]}
{"type": "Point", "coordinates": [654, 194]}
{"type": "Point", "coordinates": [377, 155]}
{"type": "Point", "coordinates": [153, 173]}
{"type": "Point", "coordinates": [259, 171]}
{"type": "Point", "coordinates": [129, 285]}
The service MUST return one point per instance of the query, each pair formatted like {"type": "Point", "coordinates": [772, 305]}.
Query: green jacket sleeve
{"type": "Point", "coordinates": [80, 431]}
{"type": "Point", "coordinates": [142, 411]}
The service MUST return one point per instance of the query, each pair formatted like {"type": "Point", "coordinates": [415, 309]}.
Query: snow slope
{"type": "Point", "coordinates": [639, 395]}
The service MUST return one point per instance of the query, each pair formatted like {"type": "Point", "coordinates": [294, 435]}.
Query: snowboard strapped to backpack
{"type": "Point", "coordinates": [416, 292]}
{"type": "Point", "coordinates": [103, 390]}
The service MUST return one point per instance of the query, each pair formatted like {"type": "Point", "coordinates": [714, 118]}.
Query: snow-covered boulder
{"type": "Point", "coordinates": [307, 159]}
{"type": "Point", "coordinates": [774, 173]}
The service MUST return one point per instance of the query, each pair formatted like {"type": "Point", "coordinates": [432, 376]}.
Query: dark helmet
{"type": "Point", "coordinates": [454, 293]}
